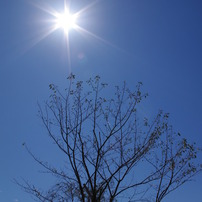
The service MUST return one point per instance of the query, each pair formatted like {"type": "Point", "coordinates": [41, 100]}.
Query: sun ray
{"type": "Point", "coordinates": [78, 28]}
{"type": "Point", "coordinates": [44, 7]}
{"type": "Point", "coordinates": [87, 7]}
{"type": "Point", "coordinates": [37, 39]}
{"type": "Point", "coordinates": [68, 52]}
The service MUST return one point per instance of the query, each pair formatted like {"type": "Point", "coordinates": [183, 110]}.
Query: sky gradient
{"type": "Point", "coordinates": [158, 42]}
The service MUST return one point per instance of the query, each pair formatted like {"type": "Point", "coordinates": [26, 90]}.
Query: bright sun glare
{"type": "Point", "coordinates": [66, 21]}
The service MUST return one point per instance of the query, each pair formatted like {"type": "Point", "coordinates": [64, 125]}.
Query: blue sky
{"type": "Point", "coordinates": [158, 42]}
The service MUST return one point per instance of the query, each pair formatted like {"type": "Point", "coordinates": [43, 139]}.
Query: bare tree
{"type": "Point", "coordinates": [112, 151]}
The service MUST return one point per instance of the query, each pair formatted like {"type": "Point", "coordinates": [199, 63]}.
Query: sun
{"type": "Point", "coordinates": [66, 21]}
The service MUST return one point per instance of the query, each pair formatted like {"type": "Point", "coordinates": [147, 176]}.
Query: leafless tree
{"type": "Point", "coordinates": [112, 151]}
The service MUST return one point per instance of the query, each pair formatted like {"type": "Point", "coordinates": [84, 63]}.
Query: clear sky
{"type": "Point", "coordinates": [158, 42]}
